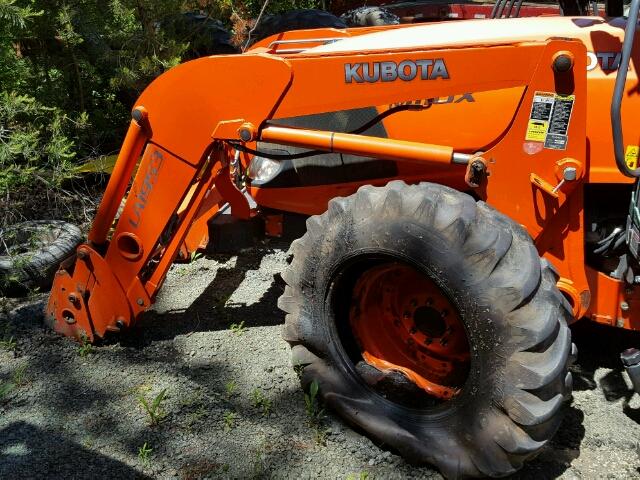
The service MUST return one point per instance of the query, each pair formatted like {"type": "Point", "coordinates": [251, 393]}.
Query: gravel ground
{"type": "Point", "coordinates": [233, 406]}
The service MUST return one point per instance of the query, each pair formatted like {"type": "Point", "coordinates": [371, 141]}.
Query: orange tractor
{"type": "Point", "coordinates": [470, 188]}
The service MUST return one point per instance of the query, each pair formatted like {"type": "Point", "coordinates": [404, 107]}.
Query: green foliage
{"type": "Point", "coordinates": [143, 454]}
{"type": "Point", "coordinates": [261, 402]}
{"type": "Point", "coordinates": [8, 344]}
{"type": "Point", "coordinates": [229, 419]}
{"type": "Point", "coordinates": [314, 411]}
{"type": "Point", "coordinates": [19, 377]}
{"type": "Point", "coordinates": [363, 475]}
{"type": "Point", "coordinates": [154, 408]}
{"type": "Point", "coordinates": [70, 71]}
{"type": "Point", "coordinates": [238, 328]}
{"type": "Point", "coordinates": [85, 347]}
{"type": "Point", "coordinates": [230, 388]}
{"type": "Point", "coordinates": [5, 389]}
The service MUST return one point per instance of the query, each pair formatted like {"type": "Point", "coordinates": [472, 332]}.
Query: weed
{"type": "Point", "coordinates": [298, 369]}
{"type": "Point", "coordinates": [229, 420]}
{"type": "Point", "coordinates": [85, 347]}
{"type": "Point", "coordinates": [9, 344]}
{"type": "Point", "coordinates": [143, 454]}
{"type": "Point", "coordinates": [238, 328]}
{"type": "Point", "coordinates": [154, 409]}
{"type": "Point", "coordinates": [259, 460]}
{"type": "Point", "coordinates": [193, 399]}
{"type": "Point", "coordinates": [314, 411]}
{"type": "Point", "coordinates": [6, 389]}
{"type": "Point", "coordinates": [19, 376]}
{"type": "Point", "coordinates": [195, 417]}
{"type": "Point", "coordinates": [262, 402]}
{"type": "Point", "coordinates": [230, 388]}
{"type": "Point", "coordinates": [195, 255]}
{"type": "Point", "coordinates": [358, 476]}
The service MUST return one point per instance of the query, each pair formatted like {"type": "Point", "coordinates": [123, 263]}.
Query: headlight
{"type": "Point", "coordinates": [262, 169]}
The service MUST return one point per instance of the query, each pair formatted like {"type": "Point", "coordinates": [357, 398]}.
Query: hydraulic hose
{"type": "Point", "coordinates": [618, 92]}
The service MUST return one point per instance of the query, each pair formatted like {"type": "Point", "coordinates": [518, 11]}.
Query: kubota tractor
{"type": "Point", "coordinates": [471, 192]}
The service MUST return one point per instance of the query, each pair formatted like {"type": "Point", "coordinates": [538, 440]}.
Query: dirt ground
{"type": "Point", "coordinates": [232, 405]}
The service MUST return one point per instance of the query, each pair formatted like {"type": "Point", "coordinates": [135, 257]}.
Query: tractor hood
{"type": "Point", "coordinates": [591, 30]}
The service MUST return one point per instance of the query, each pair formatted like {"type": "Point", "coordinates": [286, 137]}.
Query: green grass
{"type": "Point", "coordinates": [9, 344]}
{"type": "Point", "coordinates": [154, 407]}
{"type": "Point", "coordinates": [143, 454]}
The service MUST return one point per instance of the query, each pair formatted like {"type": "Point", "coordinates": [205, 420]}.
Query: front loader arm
{"type": "Point", "coordinates": [188, 122]}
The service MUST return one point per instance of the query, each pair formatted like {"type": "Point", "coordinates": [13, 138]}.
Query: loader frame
{"type": "Point", "coordinates": [191, 123]}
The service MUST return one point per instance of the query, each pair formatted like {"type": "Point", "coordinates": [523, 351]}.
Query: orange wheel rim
{"type": "Point", "coordinates": [402, 321]}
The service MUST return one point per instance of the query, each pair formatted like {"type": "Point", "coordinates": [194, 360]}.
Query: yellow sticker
{"type": "Point", "coordinates": [537, 130]}
{"type": "Point", "coordinates": [631, 156]}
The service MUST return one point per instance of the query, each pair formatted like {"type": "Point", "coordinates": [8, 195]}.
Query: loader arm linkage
{"type": "Point", "coordinates": [186, 123]}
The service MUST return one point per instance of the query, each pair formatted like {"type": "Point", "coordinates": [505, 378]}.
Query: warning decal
{"type": "Point", "coordinates": [537, 130]}
{"type": "Point", "coordinates": [631, 156]}
{"type": "Point", "coordinates": [549, 119]}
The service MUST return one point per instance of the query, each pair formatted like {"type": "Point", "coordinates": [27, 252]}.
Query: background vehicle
{"type": "Point", "coordinates": [467, 204]}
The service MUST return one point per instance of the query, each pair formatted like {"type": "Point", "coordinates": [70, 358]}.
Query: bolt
{"type": "Point", "coordinates": [120, 322]}
{"type": "Point", "coordinates": [82, 254]}
{"type": "Point", "coordinates": [69, 319]}
{"type": "Point", "coordinates": [73, 298]}
{"type": "Point", "coordinates": [245, 134]}
{"type": "Point", "coordinates": [570, 174]}
{"type": "Point", "coordinates": [140, 302]}
{"type": "Point", "coordinates": [624, 306]}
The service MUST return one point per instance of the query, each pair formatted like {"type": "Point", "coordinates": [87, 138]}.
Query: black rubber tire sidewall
{"type": "Point", "coordinates": [36, 267]}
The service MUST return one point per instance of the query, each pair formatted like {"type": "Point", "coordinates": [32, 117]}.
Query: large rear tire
{"type": "Point", "coordinates": [498, 396]}
{"type": "Point", "coordinates": [295, 20]}
{"type": "Point", "coordinates": [369, 17]}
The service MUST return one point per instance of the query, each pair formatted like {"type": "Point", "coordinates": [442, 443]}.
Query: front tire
{"type": "Point", "coordinates": [499, 397]}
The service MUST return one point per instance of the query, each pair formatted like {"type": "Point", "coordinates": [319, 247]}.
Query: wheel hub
{"type": "Point", "coordinates": [403, 322]}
